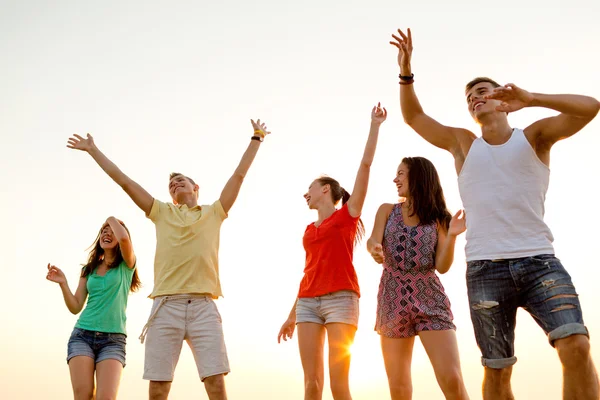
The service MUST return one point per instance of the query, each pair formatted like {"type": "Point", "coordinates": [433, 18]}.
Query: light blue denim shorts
{"type": "Point", "coordinates": [337, 307]}
{"type": "Point", "coordinates": [99, 346]}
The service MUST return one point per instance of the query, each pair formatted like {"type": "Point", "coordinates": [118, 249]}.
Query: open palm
{"type": "Point", "coordinates": [458, 224]}
{"type": "Point", "coordinates": [405, 47]}
{"type": "Point", "coordinates": [260, 128]}
{"type": "Point", "coordinates": [79, 143]}
{"type": "Point", "coordinates": [55, 274]}
{"type": "Point", "coordinates": [513, 98]}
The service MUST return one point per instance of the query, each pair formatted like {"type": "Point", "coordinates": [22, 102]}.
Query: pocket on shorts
{"type": "Point", "coordinates": [76, 333]}
{"type": "Point", "coordinates": [216, 311]}
{"type": "Point", "coordinates": [343, 294]}
{"type": "Point", "coordinates": [118, 338]}
{"type": "Point", "coordinates": [544, 258]}
{"type": "Point", "coordinates": [476, 267]}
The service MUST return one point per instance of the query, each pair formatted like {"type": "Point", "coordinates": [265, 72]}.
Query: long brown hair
{"type": "Point", "coordinates": [339, 193]}
{"type": "Point", "coordinates": [426, 192]}
{"type": "Point", "coordinates": [97, 255]}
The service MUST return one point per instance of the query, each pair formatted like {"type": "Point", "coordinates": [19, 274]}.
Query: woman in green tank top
{"type": "Point", "coordinates": [97, 344]}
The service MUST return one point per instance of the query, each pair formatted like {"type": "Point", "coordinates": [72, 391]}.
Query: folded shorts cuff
{"type": "Point", "coordinates": [498, 363]}
{"type": "Point", "coordinates": [567, 330]}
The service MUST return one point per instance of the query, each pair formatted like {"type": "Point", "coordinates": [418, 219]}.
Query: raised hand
{"type": "Point", "coordinates": [378, 114]}
{"type": "Point", "coordinates": [287, 330]}
{"type": "Point", "coordinates": [513, 98]}
{"type": "Point", "coordinates": [55, 275]}
{"type": "Point", "coordinates": [260, 128]}
{"type": "Point", "coordinates": [404, 44]}
{"type": "Point", "coordinates": [458, 225]}
{"type": "Point", "coordinates": [79, 143]}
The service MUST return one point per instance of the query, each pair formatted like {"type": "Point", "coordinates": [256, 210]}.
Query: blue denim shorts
{"type": "Point", "coordinates": [338, 307]}
{"type": "Point", "coordinates": [538, 284]}
{"type": "Point", "coordinates": [99, 346]}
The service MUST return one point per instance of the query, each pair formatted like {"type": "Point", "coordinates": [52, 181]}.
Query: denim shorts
{"type": "Point", "coordinates": [99, 346]}
{"type": "Point", "coordinates": [538, 284]}
{"type": "Point", "coordinates": [338, 307]}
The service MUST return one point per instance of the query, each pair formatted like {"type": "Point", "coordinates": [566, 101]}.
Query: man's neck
{"type": "Point", "coordinates": [496, 131]}
{"type": "Point", "coordinates": [190, 201]}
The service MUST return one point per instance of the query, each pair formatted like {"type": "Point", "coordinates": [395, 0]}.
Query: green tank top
{"type": "Point", "coordinates": [107, 301]}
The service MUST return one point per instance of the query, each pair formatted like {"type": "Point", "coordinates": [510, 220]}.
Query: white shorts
{"type": "Point", "coordinates": [184, 317]}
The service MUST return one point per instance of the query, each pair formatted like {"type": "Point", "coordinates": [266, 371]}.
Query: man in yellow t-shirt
{"type": "Point", "coordinates": [186, 271]}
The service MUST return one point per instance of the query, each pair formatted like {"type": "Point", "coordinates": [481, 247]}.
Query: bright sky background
{"type": "Point", "coordinates": [171, 86]}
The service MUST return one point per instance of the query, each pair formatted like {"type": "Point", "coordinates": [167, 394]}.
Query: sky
{"type": "Point", "coordinates": [172, 86]}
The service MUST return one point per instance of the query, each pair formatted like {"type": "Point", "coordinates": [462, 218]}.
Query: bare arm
{"type": "Point", "coordinates": [124, 241]}
{"type": "Point", "coordinates": [138, 194]}
{"type": "Point", "coordinates": [287, 329]}
{"type": "Point", "coordinates": [361, 184]}
{"type": "Point", "coordinates": [374, 244]}
{"type": "Point", "coordinates": [292, 314]}
{"type": "Point", "coordinates": [439, 135]}
{"type": "Point", "coordinates": [234, 184]}
{"type": "Point", "coordinates": [576, 111]}
{"type": "Point", "coordinates": [74, 302]}
{"type": "Point", "coordinates": [444, 252]}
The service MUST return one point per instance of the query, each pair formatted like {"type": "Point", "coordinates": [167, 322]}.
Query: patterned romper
{"type": "Point", "coordinates": [411, 297]}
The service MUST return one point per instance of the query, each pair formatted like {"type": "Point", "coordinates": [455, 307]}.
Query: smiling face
{"type": "Point", "coordinates": [401, 180]}
{"type": "Point", "coordinates": [315, 194]}
{"type": "Point", "coordinates": [181, 187]}
{"type": "Point", "coordinates": [475, 92]}
{"type": "Point", "coordinates": [107, 238]}
{"type": "Point", "coordinates": [478, 105]}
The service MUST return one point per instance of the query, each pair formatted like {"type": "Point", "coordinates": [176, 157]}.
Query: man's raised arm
{"type": "Point", "coordinates": [439, 135]}
{"type": "Point", "coordinates": [576, 111]}
{"type": "Point", "coordinates": [234, 184]}
{"type": "Point", "coordinates": [137, 193]}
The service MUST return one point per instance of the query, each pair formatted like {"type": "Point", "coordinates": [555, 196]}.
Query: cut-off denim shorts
{"type": "Point", "coordinates": [337, 307]}
{"type": "Point", "coordinates": [99, 346]}
{"type": "Point", "coordinates": [539, 284]}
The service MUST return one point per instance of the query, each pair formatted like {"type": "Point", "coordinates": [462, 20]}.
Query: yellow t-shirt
{"type": "Point", "coordinates": [187, 246]}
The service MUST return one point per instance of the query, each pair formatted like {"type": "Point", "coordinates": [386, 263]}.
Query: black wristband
{"type": "Point", "coordinates": [406, 78]}
{"type": "Point", "coordinates": [257, 138]}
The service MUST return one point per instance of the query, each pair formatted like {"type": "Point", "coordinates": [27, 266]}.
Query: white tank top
{"type": "Point", "coordinates": [503, 189]}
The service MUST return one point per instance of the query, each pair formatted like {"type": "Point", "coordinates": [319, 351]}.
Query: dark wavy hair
{"type": "Point", "coordinates": [97, 255]}
{"type": "Point", "coordinates": [426, 192]}
{"type": "Point", "coordinates": [339, 193]}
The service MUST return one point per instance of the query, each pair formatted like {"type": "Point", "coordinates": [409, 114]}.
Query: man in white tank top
{"type": "Point", "coordinates": [503, 178]}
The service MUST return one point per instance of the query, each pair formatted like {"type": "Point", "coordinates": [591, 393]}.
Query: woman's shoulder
{"type": "Point", "coordinates": [386, 209]}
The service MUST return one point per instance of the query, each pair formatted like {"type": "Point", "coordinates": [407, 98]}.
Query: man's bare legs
{"type": "Point", "coordinates": [580, 379]}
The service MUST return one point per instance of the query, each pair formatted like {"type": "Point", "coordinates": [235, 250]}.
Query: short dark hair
{"type": "Point", "coordinates": [174, 174]}
{"type": "Point", "coordinates": [480, 79]}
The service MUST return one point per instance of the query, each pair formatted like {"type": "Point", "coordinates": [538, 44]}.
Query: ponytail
{"type": "Point", "coordinates": [339, 193]}
{"type": "Point", "coordinates": [345, 196]}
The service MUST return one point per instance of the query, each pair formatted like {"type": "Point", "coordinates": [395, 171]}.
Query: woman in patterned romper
{"type": "Point", "coordinates": [412, 240]}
